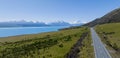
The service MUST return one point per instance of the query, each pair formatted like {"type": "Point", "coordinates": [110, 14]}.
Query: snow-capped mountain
{"type": "Point", "coordinates": [24, 23]}
{"type": "Point", "coordinates": [59, 23]}
{"type": "Point", "coordinates": [21, 24]}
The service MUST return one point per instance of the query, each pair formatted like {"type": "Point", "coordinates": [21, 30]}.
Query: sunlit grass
{"type": "Point", "coordinates": [87, 50]}
{"type": "Point", "coordinates": [110, 34]}
{"type": "Point", "coordinates": [44, 45]}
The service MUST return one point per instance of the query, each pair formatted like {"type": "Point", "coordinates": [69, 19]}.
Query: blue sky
{"type": "Point", "coordinates": [55, 10]}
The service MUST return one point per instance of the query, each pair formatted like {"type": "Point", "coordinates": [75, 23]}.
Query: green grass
{"type": "Point", "coordinates": [58, 52]}
{"type": "Point", "coordinates": [110, 34]}
{"type": "Point", "coordinates": [44, 45]}
{"type": "Point", "coordinates": [87, 50]}
{"type": "Point", "coordinates": [41, 35]}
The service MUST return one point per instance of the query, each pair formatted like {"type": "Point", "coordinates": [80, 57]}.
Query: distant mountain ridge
{"type": "Point", "coordinates": [34, 24]}
{"type": "Point", "coordinates": [112, 17]}
{"type": "Point", "coordinates": [21, 24]}
{"type": "Point", "coordinates": [62, 23]}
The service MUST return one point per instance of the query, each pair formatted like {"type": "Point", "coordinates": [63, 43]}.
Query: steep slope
{"type": "Point", "coordinates": [112, 17]}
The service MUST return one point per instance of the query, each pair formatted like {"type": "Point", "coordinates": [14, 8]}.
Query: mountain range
{"type": "Point", "coordinates": [24, 23]}
{"type": "Point", "coordinates": [111, 17]}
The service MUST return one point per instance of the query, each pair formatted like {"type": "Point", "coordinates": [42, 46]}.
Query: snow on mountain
{"type": "Point", "coordinates": [24, 23]}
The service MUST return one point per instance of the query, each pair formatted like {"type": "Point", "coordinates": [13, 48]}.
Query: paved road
{"type": "Point", "coordinates": [99, 48]}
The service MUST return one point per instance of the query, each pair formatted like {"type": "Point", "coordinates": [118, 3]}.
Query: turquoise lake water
{"type": "Point", "coordinates": [5, 32]}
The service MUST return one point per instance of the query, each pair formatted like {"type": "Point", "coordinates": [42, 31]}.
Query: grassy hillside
{"type": "Point", "coordinates": [45, 45]}
{"type": "Point", "coordinates": [110, 34]}
{"type": "Point", "coordinates": [111, 17]}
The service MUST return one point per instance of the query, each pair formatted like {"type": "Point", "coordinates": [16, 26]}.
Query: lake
{"type": "Point", "coordinates": [13, 31]}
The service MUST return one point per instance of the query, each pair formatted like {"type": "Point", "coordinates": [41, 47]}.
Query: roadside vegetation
{"type": "Point", "coordinates": [87, 50]}
{"type": "Point", "coordinates": [83, 47]}
{"type": "Point", "coordinates": [45, 45]}
{"type": "Point", "coordinates": [110, 34]}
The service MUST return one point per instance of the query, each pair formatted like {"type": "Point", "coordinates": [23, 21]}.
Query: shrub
{"type": "Point", "coordinates": [61, 45]}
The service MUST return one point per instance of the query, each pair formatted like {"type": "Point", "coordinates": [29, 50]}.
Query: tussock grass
{"type": "Point", "coordinates": [110, 34]}
{"type": "Point", "coordinates": [44, 45]}
{"type": "Point", "coordinates": [87, 50]}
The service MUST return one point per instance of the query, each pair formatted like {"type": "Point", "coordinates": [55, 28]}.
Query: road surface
{"type": "Point", "coordinates": [99, 48]}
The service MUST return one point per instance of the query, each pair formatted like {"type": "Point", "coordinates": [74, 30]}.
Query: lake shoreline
{"type": "Point", "coordinates": [19, 31]}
